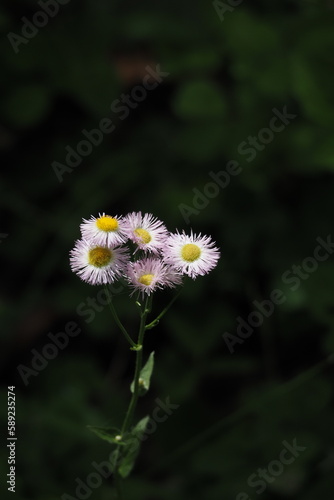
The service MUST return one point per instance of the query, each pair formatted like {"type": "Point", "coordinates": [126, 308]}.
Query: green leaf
{"type": "Point", "coordinates": [132, 446]}
{"type": "Point", "coordinates": [110, 434]}
{"type": "Point", "coordinates": [145, 376]}
{"type": "Point", "coordinates": [139, 429]}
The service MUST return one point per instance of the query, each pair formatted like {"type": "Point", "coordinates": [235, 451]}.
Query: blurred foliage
{"type": "Point", "coordinates": [225, 79]}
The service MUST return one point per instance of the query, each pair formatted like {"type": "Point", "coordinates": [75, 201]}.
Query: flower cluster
{"type": "Point", "coordinates": [102, 255]}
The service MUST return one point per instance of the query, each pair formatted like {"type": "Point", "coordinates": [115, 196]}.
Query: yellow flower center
{"type": "Point", "coordinates": [190, 252]}
{"type": "Point", "coordinates": [99, 256]}
{"type": "Point", "coordinates": [146, 279]}
{"type": "Point", "coordinates": [107, 223]}
{"type": "Point", "coordinates": [143, 235]}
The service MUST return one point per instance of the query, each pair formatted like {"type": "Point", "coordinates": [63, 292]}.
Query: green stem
{"type": "Point", "coordinates": [118, 321]}
{"type": "Point", "coordinates": [157, 319]}
{"type": "Point", "coordinates": [139, 362]}
{"type": "Point", "coordinates": [135, 395]}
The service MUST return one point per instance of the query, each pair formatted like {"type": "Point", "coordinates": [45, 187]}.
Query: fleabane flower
{"type": "Point", "coordinates": [148, 274]}
{"type": "Point", "coordinates": [146, 231]}
{"type": "Point", "coordinates": [190, 254]}
{"type": "Point", "coordinates": [104, 230]}
{"type": "Point", "coordinates": [98, 264]}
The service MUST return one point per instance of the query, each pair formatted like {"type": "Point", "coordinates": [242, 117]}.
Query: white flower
{"type": "Point", "coordinates": [148, 274]}
{"type": "Point", "coordinates": [97, 264]}
{"type": "Point", "coordinates": [190, 254]}
{"type": "Point", "coordinates": [104, 230]}
{"type": "Point", "coordinates": [146, 231]}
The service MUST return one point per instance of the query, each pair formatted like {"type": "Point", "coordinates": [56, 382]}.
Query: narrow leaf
{"type": "Point", "coordinates": [110, 434]}
{"type": "Point", "coordinates": [131, 450]}
{"type": "Point", "coordinates": [139, 429]}
{"type": "Point", "coordinates": [145, 376]}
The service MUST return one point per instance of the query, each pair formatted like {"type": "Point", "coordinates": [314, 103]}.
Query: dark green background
{"type": "Point", "coordinates": [225, 79]}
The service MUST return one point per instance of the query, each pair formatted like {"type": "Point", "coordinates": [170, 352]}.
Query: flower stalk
{"type": "Point", "coordinates": [102, 256]}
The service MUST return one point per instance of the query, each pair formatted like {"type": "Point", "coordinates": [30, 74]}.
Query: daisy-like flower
{"type": "Point", "coordinates": [148, 274]}
{"type": "Point", "coordinates": [98, 264]}
{"type": "Point", "coordinates": [190, 254]}
{"type": "Point", "coordinates": [104, 230]}
{"type": "Point", "coordinates": [146, 231]}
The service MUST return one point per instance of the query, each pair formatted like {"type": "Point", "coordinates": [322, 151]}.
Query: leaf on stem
{"type": "Point", "coordinates": [132, 445]}
{"type": "Point", "coordinates": [110, 434]}
{"type": "Point", "coordinates": [145, 376]}
{"type": "Point", "coordinates": [139, 429]}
